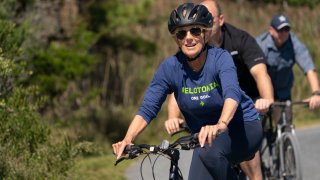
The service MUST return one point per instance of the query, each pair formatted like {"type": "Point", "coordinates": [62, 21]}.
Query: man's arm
{"type": "Point", "coordinates": [313, 80]}
{"type": "Point", "coordinates": [173, 108]}
{"type": "Point", "coordinates": [264, 85]}
{"type": "Point", "coordinates": [255, 60]}
{"type": "Point", "coordinates": [174, 115]}
{"type": "Point", "coordinates": [314, 100]}
{"type": "Point", "coordinates": [304, 60]}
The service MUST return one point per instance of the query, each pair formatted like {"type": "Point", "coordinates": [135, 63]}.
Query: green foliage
{"type": "Point", "coordinates": [310, 3]}
{"type": "Point", "coordinates": [27, 150]}
{"type": "Point", "coordinates": [99, 167]}
{"type": "Point", "coordinates": [114, 15]}
{"type": "Point", "coordinates": [93, 78]}
{"type": "Point", "coordinates": [55, 67]}
{"type": "Point", "coordinates": [125, 42]}
{"type": "Point", "coordinates": [11, 37]}
{"type": "Point", "coordinates": [9, 8]}
{"type": "Point", "coordinates": [24, 138]}
{"type": "Point", "coordinates": [6, 8]}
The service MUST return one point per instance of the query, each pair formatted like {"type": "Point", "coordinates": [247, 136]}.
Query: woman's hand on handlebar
{"type": "Point", "coordinates": [119, 147]}
{"type": "Point", "coordinates": [209, 132]}
{"type": "Point", "coordinates": [173, 125]}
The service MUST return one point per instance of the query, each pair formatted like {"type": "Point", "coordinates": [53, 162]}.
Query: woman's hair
{"type": "Point", "coordinates": [189, 14]}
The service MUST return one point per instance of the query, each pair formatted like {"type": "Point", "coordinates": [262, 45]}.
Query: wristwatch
{"type": "Point", "coordinates": [316, 93]}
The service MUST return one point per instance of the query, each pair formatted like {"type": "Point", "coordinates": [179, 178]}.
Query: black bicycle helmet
{"type": "Point", "coordinates": [189, 14]}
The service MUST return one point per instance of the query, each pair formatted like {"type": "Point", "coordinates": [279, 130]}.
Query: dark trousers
{"type": "Point", "coordinates": [238, 144]}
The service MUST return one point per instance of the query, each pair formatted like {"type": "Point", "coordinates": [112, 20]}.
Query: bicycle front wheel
{"type": "Point", "coordinates": [291, 157]}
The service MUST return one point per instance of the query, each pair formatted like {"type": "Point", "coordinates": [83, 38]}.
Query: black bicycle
{"type": "Point", "coordinates": [165, 149]}
{"type": "Point", "coordinates": [280, 152]}
{"type": "Point", "coordinates": [171, 152]}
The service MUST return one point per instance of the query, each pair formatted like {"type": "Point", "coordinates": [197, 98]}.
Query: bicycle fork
{"type": "Point", "coordinates": [174, 171]}
{"type": "Point", "coordinates": [280, 150]}
{"type": "Point", "coordinates": [280, 128]}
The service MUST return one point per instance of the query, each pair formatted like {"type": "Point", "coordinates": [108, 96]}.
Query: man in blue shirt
{"type": "Point", "coordinates": [283, 49]}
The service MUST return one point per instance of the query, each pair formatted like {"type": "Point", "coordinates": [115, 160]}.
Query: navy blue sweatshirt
{"type": "Point", "coordinates": [200, 95]}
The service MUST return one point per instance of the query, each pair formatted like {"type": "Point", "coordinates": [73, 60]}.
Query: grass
{"type": "Point", "coordinates": [303, 117]}
{"type": "Point", "coordinates": [99, 167]}
{"type": "Point", "coordinates": [305, 123]}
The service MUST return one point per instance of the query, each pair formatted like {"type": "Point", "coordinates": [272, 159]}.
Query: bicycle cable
{"type": "Point", "coordinates": [154, 162]}
{"type": "Point", "coordinates": [147, 155]}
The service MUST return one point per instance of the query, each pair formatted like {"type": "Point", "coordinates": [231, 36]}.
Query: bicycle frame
{"type": "Point", "coordinates": [280, 127]}
{"type": "Point", "coordinates": [285, 131]}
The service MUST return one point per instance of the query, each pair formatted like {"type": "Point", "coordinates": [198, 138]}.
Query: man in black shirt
{"type": "Point", "coordinates": [252, 75]}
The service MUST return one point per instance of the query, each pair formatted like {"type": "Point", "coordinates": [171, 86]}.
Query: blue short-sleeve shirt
{"type": "Point", "coordinates": [280, 62]}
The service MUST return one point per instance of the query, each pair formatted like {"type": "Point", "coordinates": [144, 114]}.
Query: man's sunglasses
{"type": "Point", "coordinates": [195, 31]}
{"type": "Point", "coordinates": [284, 29]}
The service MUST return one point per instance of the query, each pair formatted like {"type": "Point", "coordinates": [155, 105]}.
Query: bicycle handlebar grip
{"type": "Point", "coordinates": [183, 125]}
{"type": "Point", "coordinates": [119, 160]}
{"type": "Point", "coordinates": [183, 128]}
{"type": "Point", "coordinates": [195, 135]}
{"type": "Point", "coordinates": [127, 149]}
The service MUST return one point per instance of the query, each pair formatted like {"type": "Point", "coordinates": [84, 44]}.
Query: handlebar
{"type": "Point", "coordinates": [288, 103]}
{"type": "Point", "coordinates": [185, 143]}
{"type": "Point", "coordinates": [183, 128]}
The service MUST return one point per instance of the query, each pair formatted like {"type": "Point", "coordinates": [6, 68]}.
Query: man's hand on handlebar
{"type": "Point", "coordinates": [262, 105]}
{"type": "Point", "coordinates": [314, 101]}
{"type": "Point", "coordinates": [173, 125]}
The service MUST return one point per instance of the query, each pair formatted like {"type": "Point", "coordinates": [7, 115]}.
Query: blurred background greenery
{"type": "Point", "coordinates": [73, 73]}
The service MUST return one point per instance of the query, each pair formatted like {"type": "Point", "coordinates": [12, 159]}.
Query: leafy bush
{"type": "Point", "coordinates": [310, 3]}
{"type": "Point", "coordinates": [55, 67]}
{"type": "Point", "coordinates": [27, 150]}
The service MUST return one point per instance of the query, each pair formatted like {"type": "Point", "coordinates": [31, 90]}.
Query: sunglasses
{"type": "Point", "coordinates": [285, 29]}
{"type": "Point", "coordinates": [195, 31]}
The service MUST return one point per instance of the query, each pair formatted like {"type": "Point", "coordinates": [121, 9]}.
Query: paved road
{"type": "Point", "coordinates": [309, 139]}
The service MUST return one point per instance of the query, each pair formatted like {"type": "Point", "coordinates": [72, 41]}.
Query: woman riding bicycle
{"type": "Point", "coordinates": [205, 85]}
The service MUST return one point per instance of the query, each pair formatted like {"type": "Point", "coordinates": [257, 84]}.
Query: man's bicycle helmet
{"type": "Point", "coordinates": [189, 14]}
